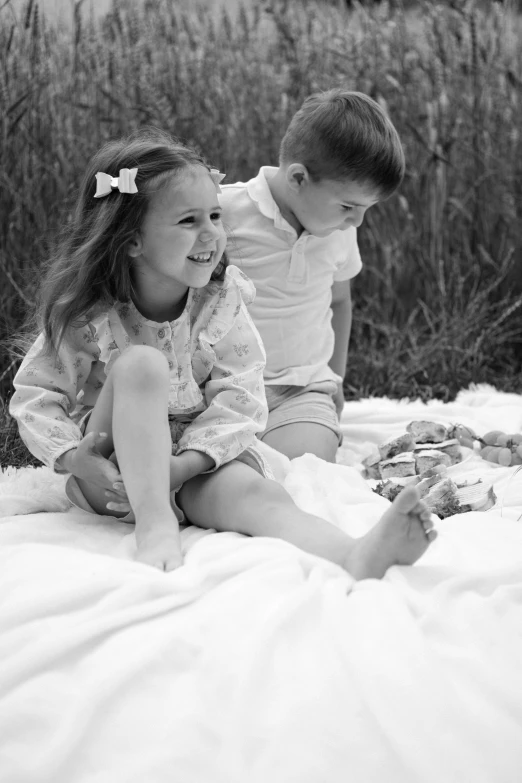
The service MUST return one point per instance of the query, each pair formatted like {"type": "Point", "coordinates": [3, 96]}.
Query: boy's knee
{"type": "Point", "coordinates": [141, 364]}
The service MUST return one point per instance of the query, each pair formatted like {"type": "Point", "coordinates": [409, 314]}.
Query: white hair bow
{"type": "Point", "coordinates": [125, 182]}
{"type": "Point", "coordinates": [216, 177]}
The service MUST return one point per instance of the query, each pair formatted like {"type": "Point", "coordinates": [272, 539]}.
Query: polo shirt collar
{"type": "Point", "coordinates": [259, 191]}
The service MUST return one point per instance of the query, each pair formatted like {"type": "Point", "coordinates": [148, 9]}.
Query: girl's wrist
{"type": "Point", "coordinates": [66, 460]}
{"type": "Point", "coordinates": [190, 463]}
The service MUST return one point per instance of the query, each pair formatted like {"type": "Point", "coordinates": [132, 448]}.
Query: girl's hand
{"type": "Point", "coordinates": [89, 464]}
{"type": "Point", "coordinates": [117, 499]}
{"type": "Point", "coordinates": [179, 472]}
{"type": "Point", "coordinates": [188, 464]}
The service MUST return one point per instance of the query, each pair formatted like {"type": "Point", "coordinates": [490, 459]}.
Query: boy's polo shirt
{"type": "Point", "coordinates": [293, 277]}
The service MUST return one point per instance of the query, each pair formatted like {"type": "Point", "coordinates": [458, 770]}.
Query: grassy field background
{"type": "Point", "coordinates": [439, 302]}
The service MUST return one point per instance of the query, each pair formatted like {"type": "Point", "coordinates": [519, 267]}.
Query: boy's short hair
{"type": "Point", "coordinates": [340, 135]}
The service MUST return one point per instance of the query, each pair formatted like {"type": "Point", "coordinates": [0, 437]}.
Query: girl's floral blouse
{"type": "Point", "coordinates": [216, 400]}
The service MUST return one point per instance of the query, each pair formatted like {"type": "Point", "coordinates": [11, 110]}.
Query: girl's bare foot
{"type": "Point", "coordinates": [159, 544]}
{"type": "Point", "coordinates": [401, 536]}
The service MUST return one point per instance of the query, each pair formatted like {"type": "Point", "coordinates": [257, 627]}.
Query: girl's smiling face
{"type": "Point", "coordinates": [181, 240]}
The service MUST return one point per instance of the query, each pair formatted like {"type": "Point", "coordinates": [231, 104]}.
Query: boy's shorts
{"type": "Point", "coordinates": [295, 404]}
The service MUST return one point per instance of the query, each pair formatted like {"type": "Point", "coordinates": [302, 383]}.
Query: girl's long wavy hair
{"type": "Point", "coordinates": [91, 267]}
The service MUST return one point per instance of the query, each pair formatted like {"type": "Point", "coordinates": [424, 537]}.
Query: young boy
{"type": "Point", "coordinates": [292, 229]}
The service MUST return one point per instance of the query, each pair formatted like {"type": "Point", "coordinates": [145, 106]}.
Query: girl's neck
{"type": "Point", "coordinates": [160, 306]}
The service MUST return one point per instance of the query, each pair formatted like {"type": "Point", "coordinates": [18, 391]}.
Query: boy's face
{"type": "Point", "coordinates": [331, 205]}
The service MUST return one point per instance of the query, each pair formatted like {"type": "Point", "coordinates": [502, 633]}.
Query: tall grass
{"type": "Point", "coordinates": [439, 301]}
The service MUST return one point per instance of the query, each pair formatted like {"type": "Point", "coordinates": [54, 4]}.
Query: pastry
{"type": "Point", "coordinates": [427, 431]}
{"type": "Point", "coordinates": [401, 465]}
{"type": "Point", "coordinates": [393, 446]}
{"type": "Point", "coordinates": [429, 458]}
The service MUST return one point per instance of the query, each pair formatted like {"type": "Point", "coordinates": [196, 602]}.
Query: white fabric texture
{"type": "Point", "coordinates": [255, 661]}
{"type": "Point", "coordinates": [293, 277]}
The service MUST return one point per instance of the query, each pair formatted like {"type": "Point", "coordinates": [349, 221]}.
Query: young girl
{"type": "Point", "coordinates": [146, 382]}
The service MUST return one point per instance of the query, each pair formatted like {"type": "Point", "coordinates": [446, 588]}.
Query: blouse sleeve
{"type": "Point", "coordinates": [46, 393]}
{"type": "Point", "coordinates": [234, 394]}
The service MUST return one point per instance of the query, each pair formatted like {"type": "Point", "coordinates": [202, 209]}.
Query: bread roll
{"type": "Point", "coordinates": [393, 446]}
{"type": "Point", "coordinates": [427, 431]}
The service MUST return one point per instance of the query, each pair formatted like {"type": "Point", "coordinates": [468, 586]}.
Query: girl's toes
{"type": "Point", "coordinates": [173, 563]}
{"type": "Point", "coordinates": [420, 508]}
{"type": "Point", "coordinates": [407, 500]}
{"type": "Point", "coordinates": [161, 557]}
{"type": "Point", "coordinates": [427, 525]}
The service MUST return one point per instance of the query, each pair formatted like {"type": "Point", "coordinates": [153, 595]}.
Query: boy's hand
{"type": "Point", "coordinates": [338, 399]}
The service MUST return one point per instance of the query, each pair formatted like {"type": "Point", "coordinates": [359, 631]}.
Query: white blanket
{"type": "Point", "coordinates": [258, 663]}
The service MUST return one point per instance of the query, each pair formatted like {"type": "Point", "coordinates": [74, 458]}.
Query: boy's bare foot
{"type": "Point", "coordinates": [401, 536]}
{"type": "Point", "coordinates": [160, 545]}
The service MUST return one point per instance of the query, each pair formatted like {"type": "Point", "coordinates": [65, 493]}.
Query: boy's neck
{"type": "Point", "coordinates": [279, 190]}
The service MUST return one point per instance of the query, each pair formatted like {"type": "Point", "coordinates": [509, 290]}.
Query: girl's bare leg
{"type": "Point", "coordinates": [132, 410]}
{"type": "Point", "coordinates": [236, 498]}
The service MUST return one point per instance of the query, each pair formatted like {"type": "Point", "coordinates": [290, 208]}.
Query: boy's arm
{"type": "Point", "coordinates": [342, 325]}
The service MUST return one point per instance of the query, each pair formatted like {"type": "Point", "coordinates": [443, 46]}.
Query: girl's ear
{"type": "Point", "coordinates": [134, 246]}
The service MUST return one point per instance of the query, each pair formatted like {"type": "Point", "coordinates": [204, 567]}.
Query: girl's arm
{"type": "Point", "coordinates": [235, 396]}
{"type": "Point", "coordinates": [188, 464]}
{"type": "Point", "coordinates": [46, 390]}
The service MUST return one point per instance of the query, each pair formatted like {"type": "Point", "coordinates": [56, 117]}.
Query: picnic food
{"type": "Point", "coordinates": [393, 446]}
{"type": "Point", "coordinates": [476, 496]}
{"type": "Point", "coordinates": [402, 465]}
{"type": "Point", "coordinates": [442, 498]}
{"type": "Point", "coordinates": [429, 458]}
{"type": "Point", "coordinates": [465, 435]}
{"type": "Point", "coordinates": [412, 453]}
{"type": "Point", "coordinates": [451, 447]}
{"type": "Point", "coordinates": [372, 466]}
{"type": "Point", "coordinates": [427, 431]}
{"type": "Point", "coordinates": [495, 446]}
{"type": "Point", "coordinates": [502, 448]}
{"type": "Point", "coordinates": [445, 497]}
{"type": "Point", "coordinates": [422, 456]}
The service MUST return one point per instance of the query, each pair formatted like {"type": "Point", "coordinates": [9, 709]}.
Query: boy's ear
{"type": "Point", "coordinates": [134, 246]}
{"type": "Point", "coordinates": [297, 176]}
